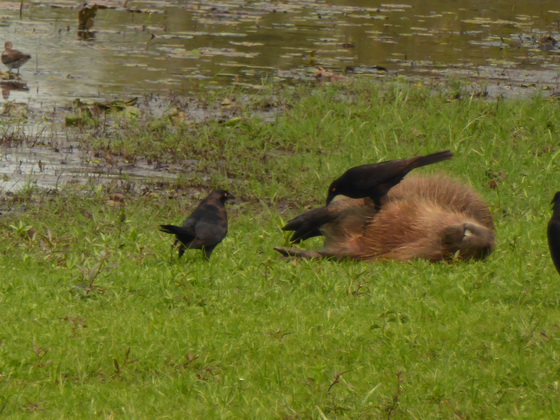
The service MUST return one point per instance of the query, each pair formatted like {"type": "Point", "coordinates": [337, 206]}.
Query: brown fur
{"type": "Point", "coordinates": [433, 218]}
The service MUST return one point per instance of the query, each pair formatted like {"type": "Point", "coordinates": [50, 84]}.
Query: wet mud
{"type": "Point", "coordinates": [104, 51]}
{"type": "Point", "coordinates": [42, 166]}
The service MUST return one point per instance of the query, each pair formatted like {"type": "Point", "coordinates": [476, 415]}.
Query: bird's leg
{"type": "Point", "coordinates": [181, 250]}
{"type": "Point", "coordinates": [181, 247]}
{"type": "Point", "coordinates": [208, 251]}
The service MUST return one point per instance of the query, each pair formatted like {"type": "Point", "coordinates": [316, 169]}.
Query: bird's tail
{"type": "Point", "coordinates": [433, 158]}
{"type": "Point", "coordinates": [307, 225]}
{"type": "Point", "coordinates": [173, 229]}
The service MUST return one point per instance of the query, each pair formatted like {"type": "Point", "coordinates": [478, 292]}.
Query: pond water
{"type": "Point", "coordinates": [170, 46]}
{"type": "Point", "coordinates": [177, 46]}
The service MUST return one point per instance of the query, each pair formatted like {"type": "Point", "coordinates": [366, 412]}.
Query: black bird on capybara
{"type": "Point", "coordinates": [554, 232]}
{"type": "Point", "coordinates": [432, 218]}
{"type": "Point", "coordinates": [206, 227]}
{"type": "Point", "coordinates": [376, 179]}
{"type": "Point", "coordinates": [308, 225]}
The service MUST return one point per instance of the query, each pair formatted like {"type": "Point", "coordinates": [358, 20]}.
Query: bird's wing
{"type": "Point", "coordinates": [209, 233]}
{"type": "Point", "coordinates": [190, 224]}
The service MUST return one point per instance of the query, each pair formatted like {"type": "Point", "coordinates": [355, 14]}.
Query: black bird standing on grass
{"type": "Point", "coordinates": [206, 227]}
{"type": "Point", "coordinates": [376, 179]}
{"type": "Point", "coordinates": [554, 231]}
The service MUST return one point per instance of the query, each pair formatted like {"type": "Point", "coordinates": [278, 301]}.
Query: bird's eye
{"type": "Point", "coordinates": [333, 189]}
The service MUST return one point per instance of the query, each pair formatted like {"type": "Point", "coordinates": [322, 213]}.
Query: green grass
{"type": "Point", "coordinates": [100, 317]}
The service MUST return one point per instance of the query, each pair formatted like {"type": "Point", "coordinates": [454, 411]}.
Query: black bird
{"type": "Point", "coordinates": [376, 179]}
{"type": "Point", "coordinates": [554, 231]}
{"type": "Point", "coordinates": [308, 224]}
{"type": "Point", "coordinates": [206, 227]}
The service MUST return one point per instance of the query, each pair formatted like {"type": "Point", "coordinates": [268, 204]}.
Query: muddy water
{"type": "Point", "coordinates": [176, 46]}
{"type": "Point", "coordinates": [26, 166]}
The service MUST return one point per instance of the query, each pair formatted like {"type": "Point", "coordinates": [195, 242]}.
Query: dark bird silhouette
{"type": "Point", "coordinates": [376, 179]}
{"type": "Point", "coordinates": [13, 59]}
{"type": "Point", "coordinates": [308, 224]}
{"type": "Point", "coordinates": [554, 232]}
{"type": "Point", "coordinates": [206, 227]}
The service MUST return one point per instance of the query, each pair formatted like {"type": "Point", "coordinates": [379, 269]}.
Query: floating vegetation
{"type": "Point", "coordinates": [283, 40]}
{"type": "Point", "coordinates": [104, 51]}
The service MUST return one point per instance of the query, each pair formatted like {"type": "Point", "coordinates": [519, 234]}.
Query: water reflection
{"type": "Point", "coordinates": [8, 86]}
{"type": "Point", "coordinates": [173, 46]}
{"type": "Point", "coordinates": [52, 167]}
{"type": "Point", "coordinates": [86, 19]}
{"type": "Point", "coordinates": [176, 46]}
